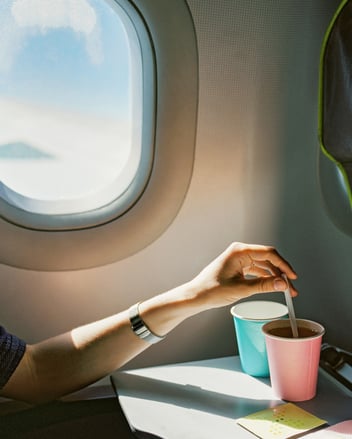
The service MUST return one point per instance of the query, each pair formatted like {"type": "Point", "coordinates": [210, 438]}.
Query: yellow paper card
{"type": "Point", "coordinates": [280, 422]}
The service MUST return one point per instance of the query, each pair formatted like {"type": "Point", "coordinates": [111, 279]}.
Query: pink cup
{"type": "Point", "coordinates": [293, 362]}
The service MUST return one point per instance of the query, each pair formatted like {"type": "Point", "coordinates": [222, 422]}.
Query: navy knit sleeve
{"type": "Point", "coordinates": [11, 351]}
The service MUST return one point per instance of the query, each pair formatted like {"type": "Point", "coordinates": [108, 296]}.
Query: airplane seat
{"type": "Point", "coordinates": [335, 116]}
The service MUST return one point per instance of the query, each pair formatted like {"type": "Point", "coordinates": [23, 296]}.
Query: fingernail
{"type": "Point", "coordinates": [279, 284]}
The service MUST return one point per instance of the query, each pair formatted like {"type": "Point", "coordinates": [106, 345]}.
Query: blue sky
{"type": "Point", "coordinates": [73, 57]}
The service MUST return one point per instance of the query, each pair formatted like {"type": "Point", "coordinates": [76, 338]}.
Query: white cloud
{"type": "Point", "coordinates": [21, 18]}
{"type": "Point", "coordinates": [51, 14]}
{"type": "Point", "coordinates": [10, 44]}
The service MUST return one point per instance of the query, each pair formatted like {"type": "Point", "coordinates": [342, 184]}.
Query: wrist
{"type": "Point", "coordinates": [140, 328]}
{"type": "Point", "coordinates": [164, 312]}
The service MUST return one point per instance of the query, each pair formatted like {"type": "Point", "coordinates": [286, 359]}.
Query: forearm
{"type": "Point", "coordinates": [70, 361]}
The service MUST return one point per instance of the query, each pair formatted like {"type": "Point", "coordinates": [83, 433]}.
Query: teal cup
{"type": "Point", "coordinates": [249, 318]}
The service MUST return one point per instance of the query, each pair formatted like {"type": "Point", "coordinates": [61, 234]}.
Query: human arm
{"type": "Point", "coordinates": [70, 361]}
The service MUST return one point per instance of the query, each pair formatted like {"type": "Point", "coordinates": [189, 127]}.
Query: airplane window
{"type": "Point", "coordinates": [98, 106]}
{"type": "Point", "coordinates": [70, 103]}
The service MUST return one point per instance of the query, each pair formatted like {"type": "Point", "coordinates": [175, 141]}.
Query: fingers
{"type": "Point", "coordinates": [261, 268]}
{"type": "Point", "coordinates": [254, 270]}
{"type": "Point", "coordinates": [268, 285]}
{"type": "Point", "coordinates": [265, 257]}
{"type": "Point", "coordinates": [277, 261]}
{"type": "Point", "coordinates": [263, 263]}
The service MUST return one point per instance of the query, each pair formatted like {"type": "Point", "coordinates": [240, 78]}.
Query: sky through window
{"type": "Point", "coordinates": [68, 92]}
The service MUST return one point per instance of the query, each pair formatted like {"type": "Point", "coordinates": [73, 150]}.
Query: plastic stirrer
{"type": "Point", "coordinates": [291, 311]}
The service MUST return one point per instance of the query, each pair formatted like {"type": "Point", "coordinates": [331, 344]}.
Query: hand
{"type": "Point", "coordinates": [240, 271]}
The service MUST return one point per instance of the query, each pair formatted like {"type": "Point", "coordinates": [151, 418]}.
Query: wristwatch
{"type": "Point", "coordinates": [140, 328]}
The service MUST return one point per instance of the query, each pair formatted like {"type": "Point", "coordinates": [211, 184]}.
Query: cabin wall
{"type": "Point", "coordinates": [254, 180]}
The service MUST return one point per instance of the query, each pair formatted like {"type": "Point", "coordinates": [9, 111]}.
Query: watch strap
{"type": "Point", "coordinates": [140, 328]}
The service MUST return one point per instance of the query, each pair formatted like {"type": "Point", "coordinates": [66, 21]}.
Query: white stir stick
{"type": "Point", "coordinates": [291, 311]}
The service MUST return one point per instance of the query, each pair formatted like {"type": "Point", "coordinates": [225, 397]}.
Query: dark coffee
{"type": "Point", "coordinates": [286, 332]}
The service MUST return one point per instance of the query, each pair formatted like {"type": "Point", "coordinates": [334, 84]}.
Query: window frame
{"type": "Point", "coordinates": [90, 242]}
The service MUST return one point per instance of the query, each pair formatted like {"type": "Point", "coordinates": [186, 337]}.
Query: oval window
{"type": "Point", "coordinates": [71, 101]}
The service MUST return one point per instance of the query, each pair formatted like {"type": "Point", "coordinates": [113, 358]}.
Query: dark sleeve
{"type": "Point", "coordinates": [11, 351]}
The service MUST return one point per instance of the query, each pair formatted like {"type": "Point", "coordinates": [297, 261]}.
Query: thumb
{"type": "Point", "coordinates": [266, 284]}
